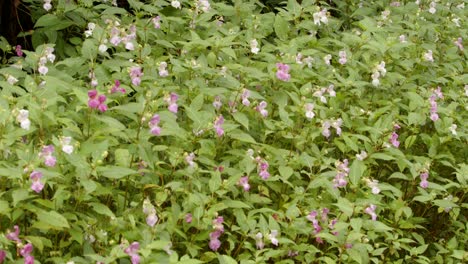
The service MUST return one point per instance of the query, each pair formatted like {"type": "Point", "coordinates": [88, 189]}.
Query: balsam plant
{"type": "Point", "coordinates": [236, 132]}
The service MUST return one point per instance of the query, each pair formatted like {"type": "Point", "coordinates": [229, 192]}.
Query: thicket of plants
{"type": "Point", "coordinates": [236, 132]}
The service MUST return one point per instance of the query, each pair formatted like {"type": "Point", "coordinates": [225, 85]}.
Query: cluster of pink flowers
{"type": "Point", "coordinates": [424, 176]}
{"type": "Point", "coordinates": [116, 88]}
{"type": "Point", "coordinates": [47, 153]}
{"type": "Point", "coordinates": [341, 174]}
{"type": "Point", "coordinates": [135, 74]}
{"type": "Point", "coordinates": [96, 101]}
{"type": "Point", "coordinates": [370, 210]}
{"type": "Point", "coordinates": [132, 251]}
{"type": "Point", "coordinates": [25, 251]}
{"type": "Point", "coordinates": [150, 212]}
{"type": "Point", "coordinates": [172, 103]}
{"type": "Point", "coordinates": [19, 51]}
{"type": "Point", "coordinates": [244, 182]}
{"type": "Point", "coordinates": [394, 137]}
{"type": "Point", "coordinates": [335, 124]}
{"type": "Point", "coordinates": [261, 108]}
{"type": "Point", "coordinates": [218, 230]}
{"type": "Point", "coordinates": [283, 72]}
{"type": "Point", "coordinates": [217, 125]}
{"type": "Point", "coordinates": [154, 125]}
{"type": "Point", "coordinates": [312, 216]}
{"type": "Point", "coordinates": [36, 184]}
{"type": "Point", "coordinates": [321, 93]}
{"type": "Point", "coordinates": [432, 100]}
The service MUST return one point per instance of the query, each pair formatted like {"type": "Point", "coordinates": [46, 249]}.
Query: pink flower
{"type": "Point", "coordinates": [282, 72]}
{"type": "Point", "coordinates": [116, 88]}
{"type": "Point", "coordinates": [309, 107]}
{"type": "Point", "coordinates": [458, 43]}
{"type": "Point", "coordinates": [19, 51]}
{"type": "Point", "coordinates": [424, 183]}
{"type": "Point", "coordinates": [96, 101]}
{"type": "Point", "coordinates": [2, 256]}
{"type": "Point", "coordinates": [394, 140]}
{"type": "Point", "coordinates": [244, 182]}
{"type": "Point", "coordinates": [156, 22]}
{"type": "Point", "coordinates": [46, 153]}
{"type": "Point", "coordinates": [370, 210]}
{"type": "Point", "coordinates": [36, 184]}
{"type": "Point", "coordinates": [245, 97]}
{"type": "Point", "coordinates": [263, 170]}
{"type": "Point", "coordinates": [163, 69]}
{"type": "Point", "coordinates": [27, 250]}
{"type": "Point", "coordinates": [326, 129]}
{"type": "Point", "coordinates": [261, 108]}
{"type": "Point", "coordinates": [217, 102]}
{"type": "Point", "coordinates": [154, 125]}
{"type": "Point", "coordinates": [135, 75]}
{"type": "Point", "coordinates": [29, 259]}
{"type": "Point", "coordinates": [215, 243]}
{"type": "Point", "coordinates": [342, 172]}
{"type": "Point", "coordinates": [172, 101]}
{"type": "Point", "coordinates": [189, 159]}
{"type": "Point", "coordinates": [152, 219]}
{"type": "Point", "coordinates": [14, 236]}
{"type": "Point", "coordinates": [217, 125]}
{"type": "Point", "coordinates": [132, 251]}
{"type": "Point", "coordinates": [188, 218]}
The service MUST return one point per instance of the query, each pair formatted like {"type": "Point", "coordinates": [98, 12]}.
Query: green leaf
{"type": "Point", "coordinates": [102, 209]}
{"type": "Point", "coordinates": [356, 172]}
{"type": "Point", "coordinates": [19, 195]}
{"type": "Point", "coordinates": [122, 157]}
{"type": "Point", "coordinates": [115, 172]}
{"type": "Point", "coordinates": [285, 172]}
{"type": "Point", "coordinates": [242, 119]}
{"type": "Point", "coordinates": [89, 49]}
{"type": "Point", "coordinates": [225, 259]}
{"type": "Point", "coordinates": [382, 156]}
{"type": "Point", "coordinates": [345, 206]}
{"type": "Point", "coordinates": [281, 27]}
{"type": "Point", "coordinates": [236, 204]}
{"type": "Point", "coordinates": [52, 220]}
{"type": "Point", "coordinates": [241, 136]}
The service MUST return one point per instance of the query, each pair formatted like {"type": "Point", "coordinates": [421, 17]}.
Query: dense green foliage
{"type": "Point", "coordinates": [235, 132]}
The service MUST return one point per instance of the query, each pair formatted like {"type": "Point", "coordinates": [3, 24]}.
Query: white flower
{"type": "Point", "coordinates": [102, 48]}
{"type": "Point", "coordinates": [362, 155]}
{"type": "Point", "coordinates": [47, 6]}
{"type": "Point", "coordinates": [327, 59]}
{"type": "Point", "coordinates": [428, 56]}
{"type": "Point", "coordinates": [272, 237]}
{"type": "Point", "coordinates": [320, 17]}
{"type": "Point", "coordinates": [12, 80]}
{"type": "Point", "coordinates": [453, 129]}
{"type": "Point", "coordinates": [402, 38]}
{"type": "Point", "coordinates": [309, 111]}
{"type": "Point", "coordinates": [381, 68]}
{"type": "Point", "coordinates": [373, 184]}
{"type": "Point", "coordinates": [432, 8]}
{"type": "Point", "coordinates": [254, 46]}
{"type": "Point", "coordinates": [23, 119]}
{"type": "Point", "coordinates": [175, 4]}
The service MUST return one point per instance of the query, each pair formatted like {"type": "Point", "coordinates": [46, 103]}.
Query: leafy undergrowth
{"type": "Point", "coordinates": [236, 132]}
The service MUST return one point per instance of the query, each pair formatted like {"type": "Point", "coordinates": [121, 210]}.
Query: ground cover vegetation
{"type": "Point", "coordinates": [155, 131]}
